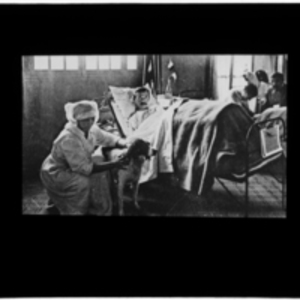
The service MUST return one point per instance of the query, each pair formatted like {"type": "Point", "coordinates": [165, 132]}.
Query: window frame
{"type": "Point", "coordinates": [232, 75]}
{"type": "Point", "coordinates": [82, 64]}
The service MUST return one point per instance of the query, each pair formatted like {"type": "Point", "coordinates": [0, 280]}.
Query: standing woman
{"type": "Point", "coordinates": [255, 104]}
{"type": "Point", "coordinates": [263, 87]}
{"type": "Point", "coordinates": [67, 172]}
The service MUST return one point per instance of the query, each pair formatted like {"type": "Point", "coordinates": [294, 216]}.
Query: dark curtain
{"type": "Point", "coordinates": [285, 70]}
{"type": "Point", "coordinates": [152, 73]}
{"type": "Point", "coordinates": [210, 86]}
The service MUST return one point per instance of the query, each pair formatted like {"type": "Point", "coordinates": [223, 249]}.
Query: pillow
{"type": "Point", "coordinates": [120, 119]}
{"type": "Point", "coordinates": [123, 98]}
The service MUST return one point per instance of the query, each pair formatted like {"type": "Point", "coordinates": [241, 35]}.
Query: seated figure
{"type": "Point", "coordinates": [276, 94]}
{"type": "Point", "coordinates": [242, 96]}
{"type": "Point", "coordinates": [260, 80]}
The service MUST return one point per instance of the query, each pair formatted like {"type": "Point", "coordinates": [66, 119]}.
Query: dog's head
{"type": "Point", "coordinates": [140, 148]}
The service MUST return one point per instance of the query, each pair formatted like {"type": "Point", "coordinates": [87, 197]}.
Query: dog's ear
{"type": "Point", "coordinates": [153, 151]}
{"type": "Point", "coordinates": [142, 158]}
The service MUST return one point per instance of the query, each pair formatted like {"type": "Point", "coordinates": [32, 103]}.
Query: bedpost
{"type": "Point", "coordinates": [247, 169]}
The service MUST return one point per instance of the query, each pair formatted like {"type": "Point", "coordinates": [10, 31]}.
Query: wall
{"type": "Point", "coordinates": [265, 62]}
{"type": "Point", "coordinates": [191, 72]}
{"type": "Point", "coordinates": [44, 96]}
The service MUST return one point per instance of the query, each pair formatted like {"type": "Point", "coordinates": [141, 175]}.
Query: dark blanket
{"type": "Point", "coordinates": [209, 140]}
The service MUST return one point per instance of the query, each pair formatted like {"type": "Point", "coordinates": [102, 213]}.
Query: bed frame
{"type": "Point", "coordinates": [247, 172]}
{"type": "Point", "coordinates": [122, 130]}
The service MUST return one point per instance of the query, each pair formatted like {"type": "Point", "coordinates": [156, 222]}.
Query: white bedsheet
{"type": "Point", "coordinates": [157, 130]}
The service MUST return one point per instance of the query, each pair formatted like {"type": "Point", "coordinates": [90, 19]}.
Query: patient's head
{"type": "Point", "coordinates": [277, 80]}
{"type": "Point", "coordinates": [249, 91]}
{"type": "Point", "coordinates": [142, 98]}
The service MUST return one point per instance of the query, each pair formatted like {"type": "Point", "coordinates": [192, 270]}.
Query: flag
{"type": "Point", "coordinates": [170, 65]}
{"type": "Point", "coordinates": [148, 76]}
{"type": "Point", "coordinates": [151, 72]}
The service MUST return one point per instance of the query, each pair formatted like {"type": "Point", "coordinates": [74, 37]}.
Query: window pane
{"type": "Point", "coordinates": [280, 63]}
{"type": "Point", "coordinates": [41, 63]}
{"type": "Point", "coordinates": [57, 62]}
{"type": "Point", "coordinates": [72, 62]}
{"type": "Point", "coordinates": [238, 82]}
{"type": "Point", "coordinates": [223, 65]}
{"type": "Point", "coordinates": [115, 62]}
{"type": "Point", "coordinates": [223, 87]}
{"type": "Point", "coordinates": [241, 63]}
{"type": "Point", "coordinates": [91, 62]}
{"type": "Point", "coordinates": [131, 62]}
{"type": "Point", "coordinates": [103, 62]}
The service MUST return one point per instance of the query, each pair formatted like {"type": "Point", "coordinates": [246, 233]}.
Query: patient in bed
{"type": "Point", "coordinates": [146, 123]}
{"type": "Point", "coordinates": [242, 96]}
{"type": "Point", "coordinates": [146, 106]}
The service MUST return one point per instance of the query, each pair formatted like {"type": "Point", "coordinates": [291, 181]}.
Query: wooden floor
{"type": "Point", "coordinates": [160, 199]}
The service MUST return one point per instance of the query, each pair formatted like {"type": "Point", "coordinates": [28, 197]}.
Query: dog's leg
{"type": "Point", "coordinates": [121, 185]}
{"type": "Point", "coordinates": [138, 172]}
{"type": "Point", "coordinates": [135, 195]}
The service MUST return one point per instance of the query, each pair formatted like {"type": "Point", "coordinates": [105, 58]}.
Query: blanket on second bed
{"type": "Point", "coordinates": [209, 140]}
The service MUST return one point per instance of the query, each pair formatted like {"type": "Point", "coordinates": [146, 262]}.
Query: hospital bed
{"type": "Point", "coordinates": [277, 138]}
{"type": "Point", "coordinates": [227, 146]}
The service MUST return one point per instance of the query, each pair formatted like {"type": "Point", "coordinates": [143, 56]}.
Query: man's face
{"type": "Point", "coordinates": [276, 83]}
{"type": "Point", "coordinates": [142, 100]}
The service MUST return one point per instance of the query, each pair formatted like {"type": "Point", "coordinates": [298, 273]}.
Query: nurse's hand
{"type": "Point", "coordinates": [122, 143]}
{"type": "Point", "coordinates": [256, 116]}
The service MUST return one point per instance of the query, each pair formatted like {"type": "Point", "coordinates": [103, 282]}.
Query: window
{"type": "Point", "coordinates": [131, 62]}
{"type": "Point", "coordinates": [115, 62]}
{"type": "Point", "coordinates": [241, 64]}
{"type": "Point", "coordinates": [230, 70]}
{"type": "Point", "coordinates": [91, 63]}
{"type": "Point", "coordinates": [57, 62]}
{"type": "Point", "coordinates": [223, 67]}
{"type": "Point", "coordinates": [72, 63]}
{"type": "Point", "coordinates": [280, 63]}
{"type": "Point", "coordinates": [41, 63]}
{"type": "Point", "coordinates": [104, 62]}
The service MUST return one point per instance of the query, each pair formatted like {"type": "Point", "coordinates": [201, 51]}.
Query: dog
{"type": "Point", "coordinates": [134, 157]}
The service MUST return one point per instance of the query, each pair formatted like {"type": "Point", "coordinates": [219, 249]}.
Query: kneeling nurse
{"type": "Point", "coordinates": [67, 172]}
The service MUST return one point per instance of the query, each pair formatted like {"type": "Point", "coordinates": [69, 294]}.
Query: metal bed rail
{"type": "Point", "coordinates": [247, 138]}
